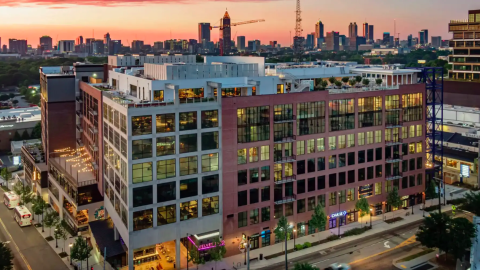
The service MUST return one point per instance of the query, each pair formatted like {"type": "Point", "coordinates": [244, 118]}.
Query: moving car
{"type": "Point", "coordinates": [22, 216]}
{"type": "Point", "coordinates": [11, 199]}
{"type": "Point", "coordinates": [339, 266]}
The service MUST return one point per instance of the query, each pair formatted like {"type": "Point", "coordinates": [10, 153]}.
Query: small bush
{"type": "Point", "coordinates": [307, 245]}
{"type": "Point", "coordinates": [298, 247]}
{"type": "Point", "coordinates": [355, 231]}
{"type": "Point", "coordinates": [457, 201]}
{"type": "Point", "coordinates": [431, 208]}
{"type": "Point", "coordinates": [333, 237]}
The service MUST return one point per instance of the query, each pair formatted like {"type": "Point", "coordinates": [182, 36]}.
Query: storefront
{"type": "Point", "coordinates": [378, 209]}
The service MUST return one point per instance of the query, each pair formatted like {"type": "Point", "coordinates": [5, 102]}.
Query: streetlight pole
{"type": "Point", "coordinates": [70, 245]}
{"type": "Point", "coordinates": [294, 246]}
{"type": "Point", "coordinates": [285, 232]}
{"type": "Point", "coordinates": [339, 218]}
{"type": "Point", "coordinates": [371, 210]}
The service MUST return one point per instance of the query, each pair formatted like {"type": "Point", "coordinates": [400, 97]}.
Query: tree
{"type": "Point", "coordinates": [6, 174]}
{"type": "Point", "coordinates": [50, 220]}
{"type": "Point", "coordinates": [432, 233]}
{"type": "Point", "coordinates": [37, 131]}
{"type": "Point", "coordinates": [80, 250]}
{"type": "Point", "coordinates": [58, 233]}
{"type": "Point", "coordinates": [25, 135]}
{"type": "Point", "coordinates": [358, 79]}
{"type": "Point", "coordinates": [460, 235]}
{"type": "Point", "coordinates": [4, 97]}
{"type": "Point", "coordinates": [378, 82]}
{"type": "Point", "coordinates": [332, 80]}
{"type": "Point", "coordinates": [6, 257]}
{"type": "Point", "coordinates": [16, 136]}
{"type": "Point", "coordinates": [319, 218]}
{"type": "Point", "coordinates": [39, 207]}
{"type": "Point", "coordinates": [324, 83]}
{"type": "Point", "coordinates": [194, 257]}
{"type": "Point", "coordinates": [472, 203]}
{"type": "Point", "coordinates": [304, 266]}
{"type": "Point", "coordinates": [35, 99]}
{"type": "Point", "coordinates": [338, 84]}
{"type": "Point", "coordinates": [345, 80]}
{"type": "Point", "coordinates": [282, 232]}
{"type": "Point", "coordinates": [352, 82]}
{"type": "Point", "coordinates": [218, 251]}
{"type": "Point", "coordinates": [363, 207]}
{"type": "Point", "coordinates": [366, 82]}
{"type": "Point", "coordinates": [25, 193]}
{"type": "Point", "coordinates": [430, 191]}
{"type": "Point", "coordinates": [393, 199]}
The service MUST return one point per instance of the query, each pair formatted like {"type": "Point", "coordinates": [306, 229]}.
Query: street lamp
{"type": "Point", "coordinates": [339, 218]}
{"type": "Point", "coordinates": [70, 245]}
{"type": "Point", "coordinates": [371, 210]}
{"type": "Point", "coordinates": [294, 246]}
{"type": "Point", "coordinates": [56, 240]}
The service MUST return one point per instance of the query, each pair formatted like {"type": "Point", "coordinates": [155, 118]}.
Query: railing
{"type": "Point", "coordinates": [394, 106]}
{"type": "Point", "coordinates": [87, 183]}
{"type": "Point", "coordinates": [394, 176]}
{"type": "Point", "coordinates": [285, 138]}
{"type": "Point", "coordinates": [363, 89]}
{"type": "Point", "coordinates": [93, 129]}
{"type": "Point", "coordinates": [79, 114]}
{"type": "Point", "coordinates": [128, 103]}
{"type": "Point", "coordinates": [79, 128]}
{"type": "Point", "coordinates": [79, 142]}
{"type": "Point", "coordinates": [79, 99]}
{"type": "Point", "coordinates": [284, 118]}
{"type": "Point", "coordinates": [92, 112]}
{"type": "Point", "coordinates": [394, 142]}
{"type": "Point", "coordinates": [286, 179]}
{"type": "Point", "coordinates": [197, 100]}
{"type": "Point", "coordinates": [94, 148]}
{"type": "Point", "coordinates": [287, 199]}
{"type": "Point", "coordinates": [285, 159]}
{"type": "Point", "coordinates": [394, 125]}
{"type": "Point", "coordinates": [395, 158]}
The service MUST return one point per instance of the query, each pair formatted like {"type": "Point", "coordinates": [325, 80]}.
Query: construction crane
{"type": "Point", "coordinates": [226, 32]}
{"type": "Point", "coordinates": [298, 39]}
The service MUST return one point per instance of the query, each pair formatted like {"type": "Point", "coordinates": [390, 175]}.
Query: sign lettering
{"type": "Point", "coordinates": [339, 214]}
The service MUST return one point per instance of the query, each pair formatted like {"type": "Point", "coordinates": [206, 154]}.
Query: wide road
{"type": "Point", "coordinates": [375, 252]}
{"type": "Point", "coordinates": [30, 250]}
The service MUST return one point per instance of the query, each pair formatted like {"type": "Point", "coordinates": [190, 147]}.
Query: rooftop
{"type": "Point", "coordinates": [75, 164]}
{"type": "Point", "coordinates": [19, 115]}
{"type": "Point", "coordinates": [35, 148]}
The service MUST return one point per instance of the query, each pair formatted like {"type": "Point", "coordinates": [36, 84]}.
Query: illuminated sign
{"type": "Point", "coordinates": [339, 214]}
{"type": "Point", "coordinates": [99, 213]}
{"type": "Point", "coordinates": [6, 126]}
{"type": "Point", "coordinates": [16, 160]}
{"type": "Point", "coordinates": [210, 245]}
{"type": "Point", "coordinates": [464, 170]}
{"type": "Point", "coordinates": [422, 61]}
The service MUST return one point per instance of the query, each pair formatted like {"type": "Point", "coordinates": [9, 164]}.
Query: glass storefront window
{"type": "Point", "coordinates": [141, 125]}
{"type": "Point", "coordinates": [142, 172]}
{"type": "Point", "coordinates": [188, 210]}
{"type": "Point", "coordinates": [142, 219]}
{"type": "Point", "coordinates": [166, 215]}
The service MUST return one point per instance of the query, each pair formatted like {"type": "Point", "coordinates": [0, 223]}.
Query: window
{"type": "Point", "coordinates": [242, 177]}
{"type": "Point", "coordinates": [210, 162]}
{"type": "Point", "coordinates": [351, 194]}
{"type": "Point", "coordinates": [209, 119]}
{"type": "Point", "coordinates": [253, 195]}
{"type": "Point", "coordinates": [311, 184]}
{"type": "Point", "coordinates": [300, 167]}
{"type": "Point", "coordinates": [242, 198]}
{"type": "Point", "coordinates": [341, 142]}
{"type": "Point", "coordinates": [209, 140]}
{"type": "Point", "coordinates": [331, 143]}
{"type": "Point", "coordinates": [187, 121]}
{"type": "Point", "coordinates": [142, 172]}
{"type": "Point", "coordinates": [404, 132]}
{"type": "Point", "coordinates": [300, 206]}
{"type": "Point", "coordinates": [265, 214]}
{"type": "Point", "coordinates": [253, 175]}
{"type": "Point", "coordinates": [419, 179]}
{"type": "Point", "coordinates": [188, 188]}
{"type": "Point", "coordinates": [412, 131]}
{"type": "Point", "coordinates": [165, 146]}
{"type": "Point", "coordinates": [142, 196]}
{"type": "Point", "coordinates": [253, 154]}
{"type": "Point", "coordinates": [341, 114]}
{"type": "Point", "coordinates": [321, 163]}
{"type": "Point", "coordinates": [188, 165]}
{"type": "Point", "coordinates": [311, 165]}
{"type": "Point", "coordinates": [411, 179]}
{"type": "Point", "coordinates": [141, 149]}
{"type": "Point", "coordinates": [265, 173]}
{"type": "Point", "coordinates": [369, 137]}
{"type": "Point", "coordinates": [289, 209]}
{"type": "Point", "coordinates": [265, 193]}
{"type": "Point", "coordinates": [419, 147]}
{"type": "Point", "coordinates": [210, 184]}
{"type": "Point", "coordinates": [342, 196]}
{"type": "Point", "coordinates": [370, 111]}
{"type": "Point", "coordinates": [321, 182]}
{"type": "Point", "coordinates": [278, 211]}
{"type": "Point", "coordinates": [361, 139]}
{"type": "Point", "coordinates": [253, 124]}
{"type": "Point", "coordinates": [254, 217]}
{"type": "Point", "coordinates": [351, 176]}
{"type": "Point", "coordinates": [419, 131]}
{"type": "Point", "coordinates": [361, 174]}
{"type": "Point", "coordinates": [412, 164]}
{"type": "Point", "coordinates": [311, 203]}
{"type": "Point", "coordinates": [242, 156]}
{"type": "Point", "coordinates": [322, 200]}
{"type": "Point", "coordinates": [351, 140]}
{"type": "Point", "coordinates": [301, 186]}
{"type": "Point", "coordinates": [283, 112]}
{"type": "Point", "coordinates": [378, 136]}
{"type": "Point", "coordinates": [412, 105]}
{"type": "Point", "coordinates": [351, 158]}
{"type": "Point", "coordinates": [332, 200]}
{"type": "Point", "coordinates": [166, 169]}
{"type": "Point", "coordinates": [342, 178]}
{"type": "Point", "coordinates": [300, 148]}
{"type": "Point", "coordinates": [378, 171]}
{"type": "Point", "coordinates": [242, 219]}
{"type": "Point", "coordinates": [141, 125]}
{"type": "Point", "coordinates": [378, 188]}
{"type": "Point", "coordinates": [361, 157]}
{"type": "Point", "coordinates": [165, 123]}
{"type": "Point", "coordinates": [369, 173]}
{"type": "Point", "coordinates": [419, 163]}
{"type": "Point", "coordinates": [320, 144]}
{"type": "Point", "coordinates": [166, 214]}
{"type": "Point", "coordinates": [310, 118]}
{"type": "Point", "coordinates": [404, 165]}
{"type": "Point", "coordinates": [265, 152]}
{"type": "Point", "coordinates": [332, 162]}
{"type": "Point", "coordinates": [310, 146]}
{"type": "Point", "coordinates": [342, 160]}
{"type": "Point", "coordinates": [378, 153]}
{"type": "Point", "coordinates": [142, 219]}
{"type": "Point", "coordinates": [332, 180]}
{"type": "Point", "coordinates": [404, 182]}
{"type": "Point", "coordinates": [188, 143]}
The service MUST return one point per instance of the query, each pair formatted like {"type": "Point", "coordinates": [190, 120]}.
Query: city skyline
{"type": "Point", "coordinates": [61, 21]}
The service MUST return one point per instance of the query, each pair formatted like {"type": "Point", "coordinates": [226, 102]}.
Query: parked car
{"type": "Point", "coordinates": [339, 266]}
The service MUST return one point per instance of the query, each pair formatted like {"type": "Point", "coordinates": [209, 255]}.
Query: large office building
{"type": "Point", "coordinates": [241, 43]}
{"type": "Point", "coordinates": [46, 43]}
{"type": "Point", "coordinates": [466, 48]}
{"type": "Point", "coordinates": [203, 32]}
{"type": "Point", "coordinates": [371, 37]}
{"type": "Point", "coordinates": [352, 30]}
{"type": "Point", "coordinates": [423, 37]}
{"type": "Point", "coordinates": [332, 40]}
{"type": "Point", "coordinates": [66, 46]}
{"type": "Point", "coordinates": [319, 34]}
{"type": "Point", "coordinates": [17, 46]}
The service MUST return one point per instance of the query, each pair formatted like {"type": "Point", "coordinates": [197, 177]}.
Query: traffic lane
{"type": "Point", "coordinates": [385, 260]}
{"type": "Point", "coordinates": [18, 263]}
{"type": "Point", "coordinates": [39, 255]}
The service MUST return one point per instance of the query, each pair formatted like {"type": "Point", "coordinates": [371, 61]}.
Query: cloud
{"type": "Point", "coordinates": [105, 3]}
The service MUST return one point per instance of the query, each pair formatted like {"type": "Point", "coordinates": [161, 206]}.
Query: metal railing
{"type": "Point", "coordinates": [286, 179]}
{"type": "Point", "coordinates": [285, 138]}
{"type": "Point", "coordinates": [285, 159]}
{"type": "Point", "coordinates": [394, 176]}
{"type": "Point", "coordinates": [287, 199]}
{"type": "Point", "coordinates": [284, 118]}
{"type": "Point", "coordinates": [197, 100]}
{"type": "Point", "coordinates": [394, 125]}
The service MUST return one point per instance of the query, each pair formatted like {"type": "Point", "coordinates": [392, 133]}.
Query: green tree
{"type": "Point", "coordinates": [304, 266]}
{"type": "Point", "coordinates": [80, 250]}
{"type": "Point", "coordinates": [4, 97]}
{"type": "Point", "coordinates": [58, 233]}
{"type": "Point", "coordinates": [366, 82]}
{"type": "Point", "coordinates": [25, 135]}
{"type": "Point", "coordinates": [472, 203]}
{"type": "Point", "coordinates": [393, 199]}
{"type": "Point", "coordinates": [39, 207]}
{"type": "Point", "coordinates": [218, 251]}
{"type": "Point", "coordinates": [352, 82]}
{"type": "Point", "coordinates": [332, 80]}
{"type": "Point", "coordinates": [25, 193]}
{"type": "Point", "coordinates": [6, 174]}
{"type": "Point", "coordinates": [37, 131]}
{"type": "Point", "coordinates": [283, 232]}
{"type": "Point", "coordinates": [358, 79]}
{"type": "Point", "coordinates": [378, 82]}
{"type": "Point", "coordinates": [15, 102]}
{"type": "Point", "coordinates": [338, 84]}
{"type": "Point", "coordinates": [433, 232]}
{"type": "Point", "coordinates": [363, 207]}
{"type": "Point", "coordinates": [430, 191]}
{"type": "Point", "coordinates": [194, 257]}
{"type": "Point", "coordinates": [460, 234]}
{"type": "Point", "coordinates": [16, 136]}
{"type": "Point", "coordinates": [324, 84]}
{"type": "Point", "coordinates": [345, 80]}
{"type": "Point", "coordinates": [35, 99]}
{"type": "Point", "coordinates": [6, 257]}
{"type": "Point", "coordinates": [50, 220]}
{"type": "Point", "coordinates": [319, 218]}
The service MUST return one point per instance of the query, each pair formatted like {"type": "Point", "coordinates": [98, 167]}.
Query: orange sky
{"type": "Point", "coordinates": [154, 20]}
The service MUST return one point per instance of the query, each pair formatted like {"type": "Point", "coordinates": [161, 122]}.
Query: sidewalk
{"type": "Point", "coordinates": [412, 264]}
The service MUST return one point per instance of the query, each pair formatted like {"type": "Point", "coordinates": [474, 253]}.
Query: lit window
{"type": "Point", "coordinates": [369, 137]}
{"type": "Point", "coordinates": [310, 146]}
{"type": "Point", "coordinates": [351, 140]}
{"type": "Point", "coordinates": [210, 162]}
{"type": "Point", "coordinates": [253, 154]}
{"type": "Point", "coordinates": [142, 172]}
{"type": "Point", "coordinates": [419, 130]}
{"type": "Point", "coordinates": [300, 148]}
{"type": "Point", "coordinates": [331, 143]}
{"type": "Point", "coordinates": [188, 165]}
{"type": "Point", "coordinates": [378, 136]}
{"type": "Point", "coordinates": [419, 147]}
{"type": "Point", "coordinates": [265, 155]}
{"type": "Point", "coordinates": [188, 210]}
{"type": "Point", "coordinates": [412, 131]}
{"type": "Point", "coordinates": [242, 156]}
{"type": "Point", "coordinates": [341, 142]}
{"type": "Point", "coordinates": [320, 144]}
{"type": "Point", "coordinates": [361, 139]}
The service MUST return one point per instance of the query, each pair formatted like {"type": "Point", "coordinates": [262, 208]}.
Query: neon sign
{"type": "Point", "coordinates": [339, 214]}
{"type": "Point", "coordinates": [205, 246]}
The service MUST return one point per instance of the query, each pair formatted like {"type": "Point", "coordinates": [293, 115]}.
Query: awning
{"type": "Point", "coordinates": [102, 231]}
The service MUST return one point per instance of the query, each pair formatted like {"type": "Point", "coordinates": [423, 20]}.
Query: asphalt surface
{"type": "Point", "coordinates": [29, 248]}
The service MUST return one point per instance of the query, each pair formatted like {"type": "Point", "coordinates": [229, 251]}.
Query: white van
{"type": "Point", "coordinates": [11, 199]}
{"type": "Point", "coordinates": [22, 216]}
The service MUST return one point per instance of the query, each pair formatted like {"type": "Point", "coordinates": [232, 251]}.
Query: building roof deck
{"type": "Point", "coordinates": [35, 148]}
{"type": "Point", "coordinates": [76, 165]}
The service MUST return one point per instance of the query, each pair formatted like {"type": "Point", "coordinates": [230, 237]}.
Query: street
{"type": "Point", "coordinates": [30, 250]}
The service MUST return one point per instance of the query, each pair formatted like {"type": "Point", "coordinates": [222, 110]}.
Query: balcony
{"type": "Point", "coordinates": [92, 112]}
{"type": "Point", "coordinates": [393, 106]}
{"type": "Point", "coordinates": [286, 179]}
{"type": "Point", "coordinates": [394, 159]}
{"type": "Point", "coordinates": [396, 124]}
{"type": "Point", "coordinates": [284, 118]}
{"type": "Point", "coordinates": [394, 142]}
{"type": "Point", "coordinates": [284, 138]}
{"type": "Point", "coordinates": [93, 130]}
{"type": "Point", "coordinates": [79, 99]}
{"type": "Point", "coordinates": [79, 128]}
{"type": "Point", "coordinates": [79, 143]}
{"type": "Point", "coordinates": [93, 147]}
{"type": "Point", "coordinates": [79, 114]}
{"type": "Point", "coordinates": [394, 176]}
{"type": "Point", "coordinates": [287, 199]}
{"type": "Point", "coordinates": [285, 159]}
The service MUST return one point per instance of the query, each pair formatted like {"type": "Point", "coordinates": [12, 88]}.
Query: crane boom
{"type": "Point", "coordinates": [247, 22]}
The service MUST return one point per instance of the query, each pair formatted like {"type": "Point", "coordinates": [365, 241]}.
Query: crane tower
{"type": "Point", "coordinates": [298, 39]}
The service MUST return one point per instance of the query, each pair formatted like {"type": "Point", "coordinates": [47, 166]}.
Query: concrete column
{"type": "Point", "coordinates": [116, 236]}
{"type": "Point", "coordinates": [178, 254]}
{"type": "Point", "coordinates": [129, 259]}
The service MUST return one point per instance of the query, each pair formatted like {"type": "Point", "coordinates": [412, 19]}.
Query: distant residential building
{"type": "Point", "coordinates": [436, 41]}
{"type": "Point", "coordinates": [332, 40]}
{"type": "Point", "coordinates": [241, 43]}
{"type": "Point", "coordinates": [203, 32]}
{"type": "Point", "coordinates": [137, 46]}
{"type": "Point", "coordinates": [66, 46]}
{"type": "Point", "coordinates": [17, 46]}
{"type": "Point", "coordinates": [46, 42]}
{"type": "Point", "coordinates": [158, 46]}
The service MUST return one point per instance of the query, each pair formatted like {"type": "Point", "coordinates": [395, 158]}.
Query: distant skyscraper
{"type": "Point", "coordinates": [319, 32]}
{"type": "Point", "coordinates": [79, 40]}
{"type": "Point", "coordinates": [386, 38]}
{"type": "Point", "coordinates": [371, 37]}
{"type": "Point", "coordinates": [46, 42]}
{"type": "Point", "coordinates": [437, 42]}
{"type": "Point", "coordinates": [409, 41]}
{"type": "Point", "coordinates": [423, 37]}
{"type": "Point", "coordinates": [17, 46]}
{"type": "Point", "coordinates": [203, 32]}
{"type": "Point", "coordinates": [365, 30]}
{"type": "Point", "coordinates": [241, 43]}
{"type": "Point", "coordinates": [332, 40]}
{"type": "Point", "coordinates": [116, 46]}
{"type": "Point", "coordinates": [98, 47]}
{"type": "Point", "coordinates": [158, 46]}
{"type": "Point", "coordinates": [310, 41]}
{"type": "Point", "coordinates": [352, 30]}
{"type": "Point", "coordinates": [89, 45]}
{"type": "Point", "coordinates": [273, 43]}
{"type": "Point", "coordinates": [66, 46]}
{"type": "Point", "coordinates": [225, 35]}
{"type": "Point", "coordinates": [106, 42]}
{"type": "Point", "coordinates": [137, 46]}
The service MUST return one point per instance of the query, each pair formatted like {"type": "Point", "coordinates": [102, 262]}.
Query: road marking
{"type": "Point", "coordinates": [386, 245]}
{"type": "Point", "coordinates": [404, 243]}
{"type": "Point", "coordinates": [403, 266]}
{"type": "Point", "coordinates": [18, 250]}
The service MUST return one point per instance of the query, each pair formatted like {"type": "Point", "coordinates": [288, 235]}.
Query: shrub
{"type": "Point", "coordinates": [333, 237]}
{"type": "Point", "coordinates": [307, 245]}
{"type": "Point", "coordinates": [298, 247]}
{"type": "Point", "coordinates": [457, 201]}
{"type": "Point", "coordinates": [355, 231]}
{"type": "Point", "coordinates": [431, 208]}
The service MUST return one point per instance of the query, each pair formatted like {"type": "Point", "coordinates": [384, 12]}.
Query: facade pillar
{"type": "Point", "coordinates": [115, 233]}
{"type": "Point", "coordinates": [130, 259]}
{"type": "Point", "coordinates": [178, 259]}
